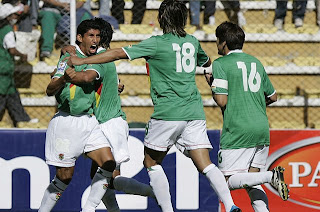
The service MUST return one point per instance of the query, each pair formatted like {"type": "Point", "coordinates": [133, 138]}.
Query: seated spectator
{"type": "Point", "coordinates": [298, 12]}
{"type": "Point", "coordinates": [138, 9]}
{"type": "Point", "coordinates": [208, 16]}
{"type": "Point", "coordinates": [29, 17]}
{"type": "Point", "coordinates": [231, 8]}
{"type": "Point", "coordinates": [28, 35]}
{"type": "Point", "coordinates": [104, 7]}
{"type": "Point", "coordinates": [49, 16]}
{"type": "Point", "coordinates": [9, 96]}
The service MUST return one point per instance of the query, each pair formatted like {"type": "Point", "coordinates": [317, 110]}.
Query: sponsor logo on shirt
{"type": "Point", "coordinates": [61, 67]}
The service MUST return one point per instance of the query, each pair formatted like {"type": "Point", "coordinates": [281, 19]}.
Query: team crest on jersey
{"type": "Point", "coordinates": [61, 156]}
{"type": "Point", "coordinates": [61, 67]}
{"type": "Point", "coordinates": [105, 186]}
{"type": "Point", "coordinates": [58, 196]}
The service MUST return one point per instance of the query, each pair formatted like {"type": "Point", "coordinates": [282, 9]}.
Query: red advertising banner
{"type": "Point", "coordinates": [298, 151]}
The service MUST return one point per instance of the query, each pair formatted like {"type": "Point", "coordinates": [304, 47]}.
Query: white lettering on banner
{"type": "Point", "coordinates": [38, 182]}
{"type": "Point", "coordinates": [296, 175]}
{"type": "Point", "coordinates": [186, 174]}
{"type": "Point", "coordinates": [315, 177]}
{"type": "Point", "coordinates": [187, 183]}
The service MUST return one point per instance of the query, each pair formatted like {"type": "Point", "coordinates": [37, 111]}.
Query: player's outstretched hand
{"type": "Point", "coordinates": [70, 49]}
{"type": "Point", "coordinates": [74, 61]}
{"type": "Point", "coordinates": [69, 74]}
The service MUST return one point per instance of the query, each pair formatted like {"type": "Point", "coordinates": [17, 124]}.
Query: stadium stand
{"type": "Point", "coordinates": [291, 58]}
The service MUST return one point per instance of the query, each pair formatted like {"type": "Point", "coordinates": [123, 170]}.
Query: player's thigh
{"type": "Point", "coordinates": [161, 135]}
{"type": "Point", "coordinates": [96, 139]}
{"type": "Point", "coordinates": [116, 131]}
{"type": "Point", "coordinates": [65, 139]}
{"type": "Point", "coordinates": [194, 136]}
{"type": "Point", "coordinates": [232, 161]}
{"type": "Point", "coordinates": [260, 157]}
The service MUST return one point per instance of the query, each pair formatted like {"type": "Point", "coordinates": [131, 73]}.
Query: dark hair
{"type": "Point", "coordinates": [85, 26]}
{"type": "Point", "coordinates": [232, 34]}
{"type": "Point", "coordinates": [106, 32]}
{"type": "Point", "coordinates": [172, 17]}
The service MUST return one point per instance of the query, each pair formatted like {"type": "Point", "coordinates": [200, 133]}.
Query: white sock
{"type": "Point", "coordinates": [132, 186]}
{"type": "Point", "coordinates": [243, 180]}
{"type": "Point", "coordinates": [99, 185]}
{"type": "Point", "coordinates": [109, 200]}
{"type": "Point", "coordinates": [219, 185]}
{"type": "Point", "coordinates": [259, 200]}
{"type": "Point", "coordinates": [160, 186]}
{"type": "Point", "coordinates": [52, 195]}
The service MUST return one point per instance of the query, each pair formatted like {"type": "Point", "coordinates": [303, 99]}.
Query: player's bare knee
{"type": "Point", "coordinates": [148, 163]}
{"type": "Point", "coordinates": [109, 165]}
{"type": "Point", "coordinates": [65, 174]}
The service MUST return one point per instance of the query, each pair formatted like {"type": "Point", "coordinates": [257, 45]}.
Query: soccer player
{"type": "Point", "coordinates": [73, 130]}
{"type": "Point", "coordinates": [241, 87]}
{"type": "Point", "coordinates": [112, 120]}
{"type": "Point", "coordinates": [178, 116]}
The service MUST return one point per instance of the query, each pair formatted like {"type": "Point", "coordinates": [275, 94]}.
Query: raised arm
{"type": "Point", "coordinates": [105, 57]}
{"type": "Point", "coordinates": [80, 77]}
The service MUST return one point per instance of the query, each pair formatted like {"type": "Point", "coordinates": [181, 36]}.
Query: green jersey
{"type": "Point", "coordinates": [76, 99]}
{"type": "Point", "coordinates": [172, 62]}
{"type": "Point", "coordinates": [7, 85]}
{"type": "Point", "coordinates": [242, 77]}
{"type": "Point", "coordinates": [108, 104]}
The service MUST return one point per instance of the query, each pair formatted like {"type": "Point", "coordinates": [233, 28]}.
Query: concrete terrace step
{"type": "Point", "coordinates": [246, 5]}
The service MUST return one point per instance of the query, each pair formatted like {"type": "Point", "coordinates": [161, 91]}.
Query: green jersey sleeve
{"type": "Point", "coordinates": [202, 57]}
{"type": "Point", "coordinates": [220, 82]}
{"type": "Point", "coordinates": [267, 86]}
{"type": "Point", "coordinates": [146, 48]}
{"type": "Point", "coordinates": [62, 66]}
{"type": "Point", "coordinates": [97, 68]}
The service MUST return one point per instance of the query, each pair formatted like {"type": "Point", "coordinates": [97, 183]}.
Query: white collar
{"type": "Point", "coordinates": [235, 51]}
{"type": "Point", "coordinates": [79, 50]}
{"type": "Point", "coordinates": [100, 49]}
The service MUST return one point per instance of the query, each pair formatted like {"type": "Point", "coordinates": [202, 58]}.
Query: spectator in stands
{"type": "Point", "coordinates": [231, 8]}
{"type": "Point", "coordinates": [9, 96]}
{"type": "Point", "coordinates": [104, 7]}
{"type": "Point", "coordinates": [29, 17]}
{"type": "Point", "coordinates": [242, 89]}
{"type": "Point", "coordinates": [50, 15]}
{"type": "Point", "coordinates": [298, 12]}
{"type": "Point", "coordinates": [208, 16]}
{"type": "Point", "coordinates": [138, 9]}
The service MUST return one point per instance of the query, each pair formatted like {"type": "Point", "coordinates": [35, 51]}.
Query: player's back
{"type": "Point", "coordinates": [172, 75]}
{"type": "Point", "coordinates": [245, 118]}
{"type": "Point", "coordinates": [108, 103]}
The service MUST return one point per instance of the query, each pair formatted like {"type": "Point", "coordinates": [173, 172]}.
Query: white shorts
{"type": "Point", "coordinates": [67, 137]}
{"type": "Point", "coordinates": [186, 135]}
{"type": "Point", "coordinates": [116, 131]}
{"type": "Point", "coordinates": [232, 161]}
